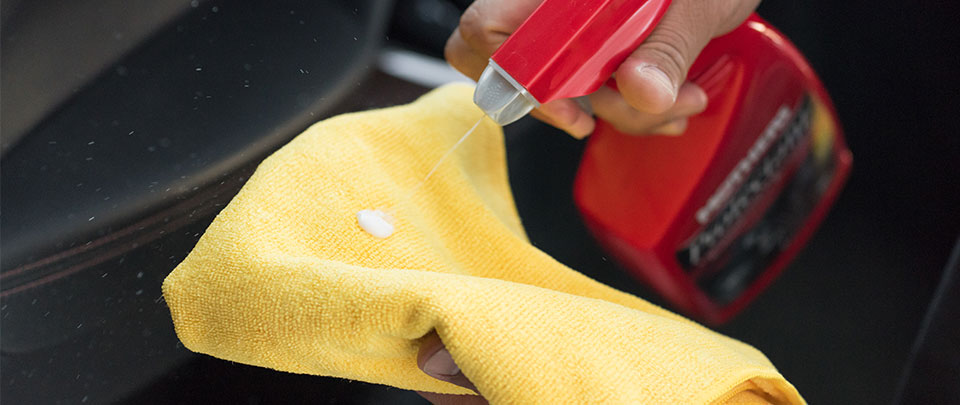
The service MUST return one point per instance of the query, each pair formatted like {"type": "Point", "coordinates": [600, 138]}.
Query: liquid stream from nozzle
{"type": "Point", "coordinates": [380, 223]}
{"type": "Point", "coordinates": [447, 154]}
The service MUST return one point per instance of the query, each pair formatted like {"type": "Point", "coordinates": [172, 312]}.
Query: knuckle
{"type": "Point", "coordinates": [453, 50]}
{"type": "Point", "coordinates": [471, 22]}
{"type": "Point", "coordinates": [640, 124]}
{"type": "Point", "coordinates": [562, 114]}
{"type": "Point", "coordinates": [670, 46]}
{"type": "Point", "coordinates": [625, 118]}
{"type": "Point", "coordinates": [478, 32]}
{"type": "Point", "coordinates": [632, 126]}
{"type": "Point", "coordinates": [474, 27]}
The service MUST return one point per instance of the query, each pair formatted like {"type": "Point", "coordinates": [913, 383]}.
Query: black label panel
{"type": "Point", "coordinates": [728, 272]}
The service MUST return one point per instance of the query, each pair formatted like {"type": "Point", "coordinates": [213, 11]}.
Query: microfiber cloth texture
{"type": "Point", "coordinates": [285, 278]}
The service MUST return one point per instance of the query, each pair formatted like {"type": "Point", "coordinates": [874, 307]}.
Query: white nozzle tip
{"type": "Point", "coordinates": [501, 97]}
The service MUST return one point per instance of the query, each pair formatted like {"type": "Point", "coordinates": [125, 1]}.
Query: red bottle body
{"type": "Point", "coordinates": [711, 217]}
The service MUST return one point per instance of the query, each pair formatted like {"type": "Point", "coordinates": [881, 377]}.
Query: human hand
{"type": "Point", "coordinates": [653, 96]}
{"type": "Point", "coordinates": [434, 359]}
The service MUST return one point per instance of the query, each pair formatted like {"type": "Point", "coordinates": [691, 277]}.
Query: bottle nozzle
{"type": "Point", "coordinates": [501, 97]}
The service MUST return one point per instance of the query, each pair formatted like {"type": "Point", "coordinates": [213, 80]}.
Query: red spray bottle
{"type": "Point", "coordinates": [708, 218]}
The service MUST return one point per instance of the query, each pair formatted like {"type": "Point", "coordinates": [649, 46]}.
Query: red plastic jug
{"type": "Point", "coordinates": [711, 217]}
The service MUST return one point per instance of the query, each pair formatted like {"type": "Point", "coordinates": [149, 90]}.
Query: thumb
{"type": "Point", "coordinates": [650, 77]}
{"type": "Point", "coordinates": [435, 360]}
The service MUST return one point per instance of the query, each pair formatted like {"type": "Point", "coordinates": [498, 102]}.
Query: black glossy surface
{"type": "Point", "coordinates": [216, 90]}
{"type": "Point", "coordinates": [104, 198]}
{"type": "Point", "coordinates": [96, 336]}
{"type": "Point", "coordinates": [77, 41]}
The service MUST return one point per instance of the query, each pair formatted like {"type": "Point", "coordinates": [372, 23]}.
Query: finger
{"type": "Point", "coordinates": [611, 107]}
{"type": "Point", "coordinates": [449, 399]}
{"type": "Point", "coordinates": [566, 115]}
{"type": "Point", "coordinates": [487, 23]}
{"type": "Point", "coordinates": [484, 26]}
{"type": "Point", "coordinates": [464, 58]}
{"type": "Point", "coordinates": [435, 360]}
{"type": "Point", "coordinates": [650, 77]}
{"type": "Point", "coordinates": [675, 127]}
{"type": "Point", "coordinates": [736, 13]}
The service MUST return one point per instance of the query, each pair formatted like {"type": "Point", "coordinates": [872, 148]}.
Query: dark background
{"type": "Point", "coordinates": [840, 323]}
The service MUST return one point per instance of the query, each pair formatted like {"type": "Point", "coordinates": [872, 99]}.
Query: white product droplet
{"type": "Point", "coordinates": [375, 222]}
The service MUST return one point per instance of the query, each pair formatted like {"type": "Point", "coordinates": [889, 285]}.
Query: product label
{"type": "Point", "coordinates": [729, 268]}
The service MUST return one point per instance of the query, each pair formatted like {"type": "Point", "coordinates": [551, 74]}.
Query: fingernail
{"type": "Point", "coordinates": [656, 76]}
{"type": "Point", "coordinates": [441, 364]}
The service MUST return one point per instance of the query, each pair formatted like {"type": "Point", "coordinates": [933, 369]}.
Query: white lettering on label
{"type": "Point", "coordinates": [742, 169]}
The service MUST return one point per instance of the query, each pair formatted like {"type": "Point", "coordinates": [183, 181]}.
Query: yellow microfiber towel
{"type": "Point", "coordinates": [285, 278]}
